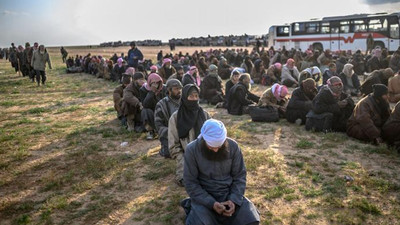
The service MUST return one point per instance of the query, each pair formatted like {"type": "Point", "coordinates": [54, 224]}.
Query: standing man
{"type": "Point", "coordinates": [215, 179]}
{"type": "Point", "coordinates": [164, 109]}
{"type": "Point", "coordinates": [64, 54]}
{"type": "Point", "coordinates": [38, 62]}
{"type": "Point", "coordinates": [134, 55]}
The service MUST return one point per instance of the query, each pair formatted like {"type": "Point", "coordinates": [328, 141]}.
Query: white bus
{"type": "Point", "coordinates": [339, 33]}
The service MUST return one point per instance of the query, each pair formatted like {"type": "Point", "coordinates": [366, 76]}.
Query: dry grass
{"type": "Point", "coordinates": [61, 163]}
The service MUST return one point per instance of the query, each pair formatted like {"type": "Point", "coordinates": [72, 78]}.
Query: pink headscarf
{"type": "Point", "coordinates": [279, 91]}
{"type": "Point", "coordinates": [153, 68]}
{"type": "Point", "coordinates": [130, 71]}
{"type": "Point", "coordinates": [278, 65]}
{"type": "Point", "coordinates": [166, 60]}
{"type": "Point", "coordinates": [197, 79]}
{"type": "Point", "coordinates": [119, 61]}
{"type": "Point", "coordinates": [153, 78]}
{"type": "Point", "coordinates": [290, 63]}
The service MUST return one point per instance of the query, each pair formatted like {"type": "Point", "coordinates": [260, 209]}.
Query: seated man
{"type": "Point", "coordinates": [150, 93]}
{"type": "Point", "coordinates": [118, 96]}
{"type": "Point", "coordinates": [118, 70]}
{"type": "Point", "coordinates": [258, 72]}
{"type": "Point", "coordinates": [391, 129]}
{"type": "Point", "coordinates": [191, 77]}
{"type": "Point", "coordinates": [273, 74]}
{"type": "Point", "coordinates": [351, 83]}
{"type": "Point", "coordinates": [275, 96]}
{"type": "Point", "coordinates": [330, 72]}
{"type": "Point", "coordinates": [376, 77]}
{"type": "Point", "coordinates": [215, 180]}
{"type": "Point", "coordinates": [164, 109]}
{"type": "Point", "coordinates": [211, 87]}
{"type": "Point", "coordinates": [166, 69]}
{"type": "Point", "coordinates": [394, 88]}
{"type": "Point", "coordinates": [240, 96]}
{"type": "Point", "coordinates": [179, 74]}
{"type": "Point", "coordinates": [312, 72]}
{"type": "Point", "coordinates": [369, 115]}
{"type": "Point", "coordinates": [234, 79]}
{"type": "Point", "coordinates": [184, 126]}
{"type": "Point", "coordinates": [301, 102]}
{"type": "Point", "coordinates": [331, 108]}
{"type": "Point", "coordinates": [224, 69]}
{"type": "Point", "coordinates": [131, 105]}
{"type": "Point", "coordinates": [290, 74]}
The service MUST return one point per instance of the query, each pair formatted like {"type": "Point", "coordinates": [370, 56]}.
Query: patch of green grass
{"type": "Point", "coordinates": [310, 192]}
{"type": "Point", "coordinates": [71, 108]}
{"type": "Point", "coordinates": [365, 206]}
{"type": "Point", "coordinates": [159, 170]}
{"type": "Point", "coordinates": [256, 158]}
{"type": "Point", "coordinates": [304, 144]}
{"type": "Point", "coordinates": [8, 103]}
{"type": "Point", "coordinates": [37, 110]}
{"type": "Point", "coordinates": [57, 202]}
{"type": "Point", "coordinates": [23, 219]}
{"type": "Point", "coordinates": [335, 187]}
{"type": "Point", "coordinates": [41, 130]}
{"type": "Point", "coordinates": [277, 192]}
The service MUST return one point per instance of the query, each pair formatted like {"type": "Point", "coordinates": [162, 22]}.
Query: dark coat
{"type": "Point", "coordinates": [367, 119]}
{"type": "Point", "coordinates": [325, 102]}
{"type": "Point", "coordinates": [299, 105]}
{"type": "Point", "coordinates": [117, 97]}
{"type": "Point", "coordinates": [354, 78]}
{"type": "Point", "coordinates": [376, 77]}
{"type": "Point", "coordinates": [149, 99]}
{"type": "Point", "coordinates": [211, 85]}
{"type": "Point", "coordinates": [239, 97]}
{"type": "Point", "coordinates": [374, 64]}
{"type": "Point", "coordinates": [130, 100]}
{"type": "Point", "coordinates": [391, 129]}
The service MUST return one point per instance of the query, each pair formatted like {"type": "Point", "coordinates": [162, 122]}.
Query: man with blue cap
{"type": "Point", "coordinates": [215, 179]}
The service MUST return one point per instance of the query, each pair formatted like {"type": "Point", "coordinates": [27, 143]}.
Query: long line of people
{"type": "Point", "coordinates": [166, 101]}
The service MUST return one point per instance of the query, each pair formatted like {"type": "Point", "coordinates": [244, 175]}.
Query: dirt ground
{"type": "Point", "coordinates": [61, 161]}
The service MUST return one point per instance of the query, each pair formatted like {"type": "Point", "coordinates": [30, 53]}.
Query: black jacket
{"type": "Point", "coordinates": [239, 97]}
{"type": "Point", "coordinates": [354, 78]}
{"type": "Point", "coordinates": [149, 99]}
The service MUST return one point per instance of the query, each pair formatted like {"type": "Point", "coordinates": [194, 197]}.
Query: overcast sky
{"type": "Point", "coordinates": [80, 22]}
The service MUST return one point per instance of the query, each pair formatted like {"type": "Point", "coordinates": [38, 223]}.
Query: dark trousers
{"type": "Point", "coordinates": [40, 74]}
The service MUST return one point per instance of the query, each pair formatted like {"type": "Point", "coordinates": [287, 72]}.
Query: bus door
{"type": "Point", "coordinates": [394, 34]}
{"type": "Point", "coordinates": [334, 36]}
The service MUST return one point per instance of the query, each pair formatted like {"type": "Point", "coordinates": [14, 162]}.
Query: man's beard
{"type": "Point", "coordinates": [175, 97]}
{"type": "Point", "coordinates": [221, 155]}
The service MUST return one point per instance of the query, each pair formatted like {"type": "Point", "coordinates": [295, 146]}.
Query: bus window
{"type": "Point", "coordinates": [394, 31]}
{"type": "Point", "coordinates": [377, 25]}
{"type": "Point", "coordinates": [325, 28]}
{"type": "Point", "coordinates": [282, 31]}
{"type": "Point", "coordinates": [312, 28]}
{"type": "Point", "coordinates": [299, 28]}
{"type": "Point", "coordinates": [359, 26]}
{"type": "Point", "coordinates": [344, 26]}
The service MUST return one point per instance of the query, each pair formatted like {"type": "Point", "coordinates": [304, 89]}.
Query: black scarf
{"type": "Point", "coordinates": [190, 114]}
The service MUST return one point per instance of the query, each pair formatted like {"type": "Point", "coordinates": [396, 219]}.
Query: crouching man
{"type": "Point", "coordinates": [215, 179]}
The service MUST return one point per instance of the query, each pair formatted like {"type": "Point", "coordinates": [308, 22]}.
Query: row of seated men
{"type": "Point", "coordinates": [173, 112]}
{"type": "Point", "coordinates": [147, 106]}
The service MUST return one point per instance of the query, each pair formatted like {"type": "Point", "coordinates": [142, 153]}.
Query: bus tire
{"type": "Point", "coordinates": [379, 44]}
{"type": "Point", "coordinates": [318, 46]}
